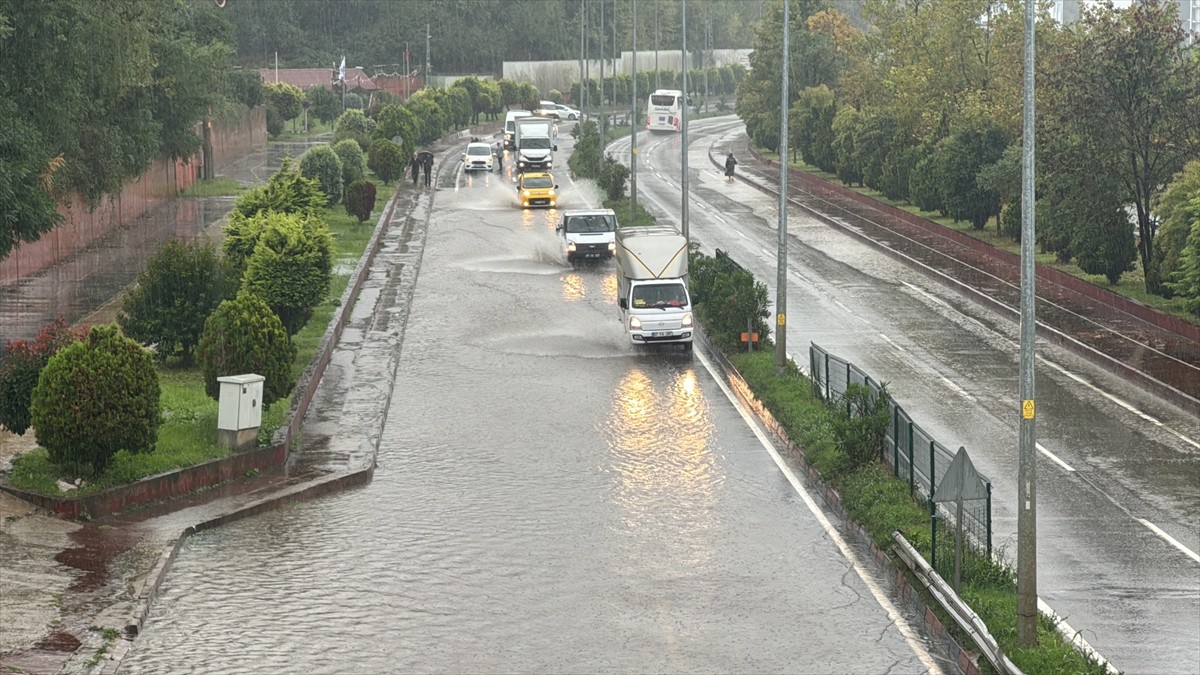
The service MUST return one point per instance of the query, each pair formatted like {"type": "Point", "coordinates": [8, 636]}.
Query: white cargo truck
{"type": "Point", "coordinates": [534, 139]}
{"type": "Point", "coordinates": [652, 293]}
{"type": "Point", "coordinates": [589, 234]}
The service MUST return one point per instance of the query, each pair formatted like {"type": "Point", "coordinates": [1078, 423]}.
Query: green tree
{"type": "Point", "coordinates": [1128, 72]}
{"type": "Point", "coordinates": [354, 124]}
{"type": "Point", "coordinates": [245, 87]}
{"type": "Point", "coordinates": [1173, 210]}
{"type": "Point", "coordinates": [95, 398]}
{"type": "Point", "coordinates": [291, 267]}
{"type": "Point", "coordinates": [388, 160]}
{"type": "Point", "coordinates": [360, 199]}
{"type": "Point", "coordinates": [527, 95]}
{"type": "Point", "coordinates": [509, 93]}
{"type": "Point", "coordinates": [322, 164]}
{"type": "Point", "coordinates": [845, 129]}
{"type": "Point", "coordinates": [181, 285]}
{"type": "Point", "coordinates": [354, 162]}
{"type": "Point", "coordinates": [431, 119]}
{"type": "Point", "coordinates": [243, 335]}
{"type": "Point", "coordinates": [27, 210]}
{"type": "Point", "coordinates": [1185, 279]}
{"type": "Point", "coordinates": [963, 155]}
{"type": "Point", "coordinates": [284, 99]}
{"type": "Point", "coordinates": [323, 104]}
{"type": "Point", "coordinates": [22, 364]}
{"type": "Point", "coordinates": [287, 191]}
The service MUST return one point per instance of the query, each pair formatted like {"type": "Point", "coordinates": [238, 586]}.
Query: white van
{"type": "Point", "coordinates": [510, 127]}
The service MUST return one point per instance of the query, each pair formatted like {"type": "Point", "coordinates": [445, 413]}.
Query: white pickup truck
{"type": "Point", "coordinates": [652, 292]}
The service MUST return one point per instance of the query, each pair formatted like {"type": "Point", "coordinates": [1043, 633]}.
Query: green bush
{"type": "Point", "coordinates": [323, 165]}
{"type": "Point", "coordinates": [355, 125]}
{"type": "Point", "coordinates": [387, 160]}
{"type": "Point", "coordinates": [360, 199]}
{"type": "Point", "coordinates": [612, 178]}
{"type": "Point", "coordinates": [244, 336]}
{"type": "Point", "coordinates": [287, 191]}
{"type": "Point", "coordinates": [860, 423]}
{"type": "Point", "coordinates": [181, 285]}
{"type": "Point", "coordinates": [274, 122]}
{"type": "Point", "coordinates": [291, 267]}
{"type": "Point", "coordinates": [728, 300]}
{"type": "Point", "coordinates": [585, 160]}
{"type": "Point", "coordinates": [20, 367]}
{"type": "Point", "coordinates": [95, 398]}
{"type": "Point", "coordinates": [354, 162]}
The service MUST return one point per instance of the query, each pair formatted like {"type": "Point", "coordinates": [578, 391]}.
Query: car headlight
{"type": "Point", "coordinates": [635, 323]}
{"type": "Point", "coordinates": [612, 245]}
{"type": "Point", "coordinates": [687, 320]}
{"type": "Point", "coordinates": [524, 193]}
{"type": "Point", "coordinates": [550, 192]}
{"type": "Point", "coordinates": [570, 246]}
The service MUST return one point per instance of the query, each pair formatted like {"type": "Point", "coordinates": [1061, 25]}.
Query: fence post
{"type": "Point", "coordinates": [911, 478]}
{"type": "Point", "coordinates": [989, 520]}
{"type": "Point", "coordinates": [812, 370]}
{"type": "Point", "coordinates": [932, 510]}
{"type": "Point", "coordinates": [895, 440]}
{"type": "Point", "coordinates": [827, 385]}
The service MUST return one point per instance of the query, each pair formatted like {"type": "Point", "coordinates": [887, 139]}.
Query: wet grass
{"type": "Point", "coordinates": [1131, 285]}
{"type": "Point", "coordinates": [187, 435]}
{"type": "Point", "coordinates": [215, 187]}
{"type": "Point", "coordinates": [621, 208]}
{"type": "Point", "coordinates": [881, 503]}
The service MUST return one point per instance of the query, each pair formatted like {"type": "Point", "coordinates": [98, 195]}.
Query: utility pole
{"type": "Point", "coordinates": [683, 126]}
{"type": "Point", "coordinates": [707, 49]}
{"type": "Point", "coordinates": [633, 127]}
{"type": "Point", "coordinates": [656, 85]}
{"type": "Point", "coordinates": [1027, 611]}
{"type": "Point", "coordinates": [603, 125]}
{"type": "Point", "coordinates": [616, 52]}
{"type": "Point", "coordinates": [428, 35]}
{"type": "Point", "coordinates": [781, 263]}
{"type": "Point", "coordinates": [587, 73]}
{"type": "Point", "coordinates": [579, 102]}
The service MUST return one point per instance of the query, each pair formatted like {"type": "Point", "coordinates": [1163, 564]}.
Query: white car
{"type": "Point", "coordinates": [478, 157]}
{"type": "Point", "coordinates": [547, 109]}
{"type": "Point", "coordinates": [566, 112]}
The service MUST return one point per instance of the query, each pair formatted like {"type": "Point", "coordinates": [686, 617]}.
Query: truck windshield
{"type": "Point", "coordinates": [659, 295]}
{"type": "Point", "coordinates": [535, 143]}
{"type": "Point", "coordinates": [593, 223]}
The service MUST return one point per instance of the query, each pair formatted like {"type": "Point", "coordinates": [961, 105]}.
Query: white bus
{"type": "Point", "coordinates": [664, 109]}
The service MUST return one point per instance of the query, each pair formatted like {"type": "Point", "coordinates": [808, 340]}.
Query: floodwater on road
{"type": "Point", "coordinates": [547, 499]}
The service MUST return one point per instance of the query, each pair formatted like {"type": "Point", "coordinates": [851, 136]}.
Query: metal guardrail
{"type": "Point", "coordinates": [963, 615]}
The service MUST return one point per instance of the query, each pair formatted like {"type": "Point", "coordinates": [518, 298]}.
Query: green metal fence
{"type": "Point", "coordinates": [915, 457]}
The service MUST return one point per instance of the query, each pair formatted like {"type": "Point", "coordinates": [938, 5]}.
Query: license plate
{"type": "Point", "coordinates": [660, 333]}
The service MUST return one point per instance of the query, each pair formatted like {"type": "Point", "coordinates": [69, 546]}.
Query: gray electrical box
{"type": "Point", "coordinates": [240, 410]}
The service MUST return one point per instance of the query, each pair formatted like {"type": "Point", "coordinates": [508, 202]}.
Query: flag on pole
{"type": "Point", "coordinates": [342, 70]}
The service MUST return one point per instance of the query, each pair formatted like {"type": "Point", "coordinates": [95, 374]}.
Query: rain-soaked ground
{"type": "Point", "coordinates": [547, 499]}
{"type": "Point", "coordinates": [1118, 469]}
{"type": "Point", "coordinates": [90, 278]}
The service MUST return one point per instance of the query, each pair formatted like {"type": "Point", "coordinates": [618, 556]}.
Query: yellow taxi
{"type": "Point", "coordinates": [537, 189]}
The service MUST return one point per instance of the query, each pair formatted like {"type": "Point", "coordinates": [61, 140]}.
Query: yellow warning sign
{"type": "Point", "coordinates": [1027, 409]}
{"type": "Point", "coordinates": [782, 320]}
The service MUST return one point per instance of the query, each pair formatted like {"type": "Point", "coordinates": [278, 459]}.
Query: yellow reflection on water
{"type": "Point", "coordinates": [573, 289]}
{"type": "Point", "coordinates": [527, 218]}
{"type": "Point", "coordinates": [608, 287]}
{"type": "Point", "coordinates": [666, 476]}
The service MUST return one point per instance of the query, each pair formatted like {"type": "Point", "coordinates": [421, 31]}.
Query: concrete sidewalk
{"type": "Point", "coordinates": [75, 594]}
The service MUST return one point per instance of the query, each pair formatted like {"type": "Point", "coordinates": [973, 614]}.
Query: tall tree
{"type": "Point", "coordinates": [1128, 72]}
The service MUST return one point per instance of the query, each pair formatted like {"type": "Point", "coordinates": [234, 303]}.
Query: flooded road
{"type": "Point", "coordinates": [1118, 469]}
{"type": "Point", "coordinates": [92, 277]}
{"type": "Point", "coordinates": [547, 499]}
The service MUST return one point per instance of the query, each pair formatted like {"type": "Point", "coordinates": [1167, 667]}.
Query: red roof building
{"type": "Point", "coordinates": [307, 78]}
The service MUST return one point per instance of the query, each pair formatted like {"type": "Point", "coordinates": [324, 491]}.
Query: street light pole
{"type": "Point", "coordinates": [781, 262]}
{"type": "Point", "coordinates": [579, 102]}
{"type": "Point", "coordinates": [656, 44]}
{"type": "Point", "coordinates": [1027, 611]}
{"type": "Point", "coordinates": [633, 125]}
{"type": "Point", "coordinates": [683, 126]}
{"type": "Point", "coordinates": [428, 35]}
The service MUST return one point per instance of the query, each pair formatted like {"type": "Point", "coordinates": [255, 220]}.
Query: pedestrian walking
{"type": "Point", "coordinates": [730, 162]}
{"type": "Point", "coordinates": [500, 157]}
{"type": "Point", "coordinates": [415, 166]}
{"type": "Point", "coordinates": [428, 163]}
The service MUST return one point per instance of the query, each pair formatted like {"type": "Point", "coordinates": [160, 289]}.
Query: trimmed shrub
{"type": "Point", "coordinates": [287, 192]}
{"type": "Point", "coordinates": [181, 285]}
{"type": "Point", "coordinates": [244, 336]}
{"type": "Point", "coordinates": [360, 199]}
{"type": "Point", "coordinates": [354, 162]}
{"type": "Point", "coordinates": [355, 125]}
{"type": "Point", "coordinates": [728, 300]}
{"type": "Point", "coordinates": [387, 160]}
{"type": "Point", "coordinates": [323, 165]}
{"type": "Point", "coordinates": [291, 267]}
{"type": "Point", "coordinates": [20, 367]}
{"type": "Point", "coordinates": [95, 398]}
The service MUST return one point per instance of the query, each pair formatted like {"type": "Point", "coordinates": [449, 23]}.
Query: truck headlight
{"type": "Point", "coordinates": [524, 193]}
{"type": "Point", "coordinates": [612, 245]}
{"type": "Point", "coordinates": [635, 323]}
{"type": "Point", "coordinates": [570, 246]}
{"type": "Point", "coordinates": [687, 320]}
